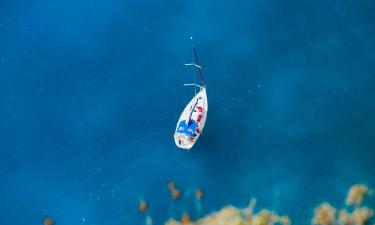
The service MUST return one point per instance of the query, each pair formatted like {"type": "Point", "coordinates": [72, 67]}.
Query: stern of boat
{"type": "Point", "coordinates": [184, 141]}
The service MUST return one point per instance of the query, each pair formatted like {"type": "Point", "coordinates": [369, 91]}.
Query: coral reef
{"type": "Point", "coordinates": [325, 214]}
{"type": "Point", "coordinates": [356, 194]}
{"type": "Point", "coordinates": [355, 213]}
{"type": "Point", "coordinates": [231, 215]}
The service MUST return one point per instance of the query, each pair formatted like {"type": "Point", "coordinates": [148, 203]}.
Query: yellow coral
{"type": "Point", "coordinates": [262, 218]}
{"type": "Point", "coordinates": [233, 216]}
{"type": "Point", "coordinates": [284, 220]}
{"type": "Point", "coordinates": [344, 217]}
{"type": "Point", "coordinates": [226, 216]}
{"type": "Point", "coordinates": [361, 215]}
{"type": "Point", "coordinates": [356, 194]}
{"type": "Point", "coordinates": [173, 222]}
{"type": "Point", "coordinates": [324, 214]}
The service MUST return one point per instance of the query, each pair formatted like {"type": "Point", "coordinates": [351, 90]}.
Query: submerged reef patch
{"type": "Point", "coordinates": [325, 214]}
{"type": "Point", "coordinates": [354, 212]}
{"type": "Point", "coordinates": [231, 215]}
{"type": "Point", "coordinates": [356, 194]}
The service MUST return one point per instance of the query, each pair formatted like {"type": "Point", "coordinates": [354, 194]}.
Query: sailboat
{"type": "Point", "coordinates": [192, 120]}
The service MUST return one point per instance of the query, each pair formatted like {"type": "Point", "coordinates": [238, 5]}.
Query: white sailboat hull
{"type": "Point", "coordinates": [192, 120]}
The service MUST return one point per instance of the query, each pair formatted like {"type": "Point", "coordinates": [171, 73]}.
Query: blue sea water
{"type": "Point", "coordinates": [90, 93]}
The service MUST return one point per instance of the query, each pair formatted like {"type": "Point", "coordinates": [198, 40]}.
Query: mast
{"type": "Point", "coordinates": [196, 64]}
{"type": "Point", "coordinates": [196, 59]}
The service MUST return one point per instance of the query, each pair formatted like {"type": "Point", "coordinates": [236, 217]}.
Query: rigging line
{"type": "Point", "coordinates": [194, 72]}
{"type": "Point", "coordinates": [199, 67]}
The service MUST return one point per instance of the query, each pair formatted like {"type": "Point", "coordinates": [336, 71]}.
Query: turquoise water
{"type": "Point", "coordinates": [90, 93]}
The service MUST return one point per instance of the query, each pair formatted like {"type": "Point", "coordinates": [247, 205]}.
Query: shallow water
{"type": "Point", "coordinates": [90, 93]}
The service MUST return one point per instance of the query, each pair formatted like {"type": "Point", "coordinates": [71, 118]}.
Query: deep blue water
{"type": "Point", "coordinates": [90, 93]}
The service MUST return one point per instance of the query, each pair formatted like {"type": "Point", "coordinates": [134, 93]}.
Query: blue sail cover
{"type": "Point", "coordinates": [187, 129]}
